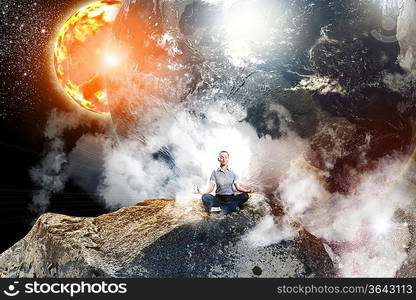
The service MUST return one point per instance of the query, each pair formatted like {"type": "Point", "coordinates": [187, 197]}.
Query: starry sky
{"type": "Point", "coordinates": [28, 95]}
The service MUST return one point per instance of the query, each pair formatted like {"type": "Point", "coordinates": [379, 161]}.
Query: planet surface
{"type": "Point", "coordinates": [321, 62]}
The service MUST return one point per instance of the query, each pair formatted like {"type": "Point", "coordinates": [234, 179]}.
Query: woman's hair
{"type": "Point", "coordinates": [223, 151]}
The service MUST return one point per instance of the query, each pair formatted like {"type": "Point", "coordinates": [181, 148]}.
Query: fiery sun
{"type": "Point", "coordinates": [81, 55]}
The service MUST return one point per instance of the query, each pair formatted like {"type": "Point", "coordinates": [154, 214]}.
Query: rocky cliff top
{"type": "Point", "coordinates": [161, 238]}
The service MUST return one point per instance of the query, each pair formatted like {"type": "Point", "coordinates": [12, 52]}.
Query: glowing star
{"type": "Point", "coordinates": [81, 55]}
{"type": "Point", "coordinates": [381, 226]}
{"type": "Point", "coordinates": [248, 28]}
{"type": "Point", "coordinates": [111, 59]}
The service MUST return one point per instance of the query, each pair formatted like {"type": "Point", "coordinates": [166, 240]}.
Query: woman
{"type": "Point", "coordinates": [225, 179]}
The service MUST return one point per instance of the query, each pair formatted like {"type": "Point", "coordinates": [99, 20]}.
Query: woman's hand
{"type": "Point", "coordinates": [243, 190]}
{"type": "Point", "coordinates": [197, 191]}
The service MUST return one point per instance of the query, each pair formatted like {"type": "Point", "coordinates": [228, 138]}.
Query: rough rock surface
{"type": "Point", "coordinates": [161, 238]}
{"type": "Point", "coordinates": [408, 268]}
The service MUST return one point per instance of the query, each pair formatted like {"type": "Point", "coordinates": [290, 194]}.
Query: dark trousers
{"type": "Point", "coordinates": [228, 203]}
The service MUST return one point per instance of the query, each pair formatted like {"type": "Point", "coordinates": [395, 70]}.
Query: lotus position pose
{"type": "Point", "coordinates": [225, 199]}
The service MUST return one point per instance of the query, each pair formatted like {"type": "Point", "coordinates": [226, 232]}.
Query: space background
{"type": "Point", "coordinates": [314, 100]}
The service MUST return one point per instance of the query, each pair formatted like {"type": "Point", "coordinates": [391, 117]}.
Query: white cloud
{"type": "Point", "coordinates": [56, 166]}
{"type": "Point", "coordinates": [181, 151]}
{"type": "Point", "coordinates": [270, 231]}
{"type": "Point", "coordinates": [361, 227]}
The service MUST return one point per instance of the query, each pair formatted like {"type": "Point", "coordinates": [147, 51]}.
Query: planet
{"type": "Point", "coordinates": [157, 72]}
{"type": "Point", "coordinates": [320, 62]}
{"type": "Point", "coordinates": [82, 55]}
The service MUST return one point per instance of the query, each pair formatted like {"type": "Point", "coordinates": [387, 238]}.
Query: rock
{"type": "Point", "coordinates": [257, 270]}
{"type": "Point", "coordinates": [408, 269]}
{"type": "Point", "coordinates": [156, 238]}
{"type": "Point", "coordinates": [313, 249]}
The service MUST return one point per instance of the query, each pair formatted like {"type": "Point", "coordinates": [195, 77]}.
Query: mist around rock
{"type": "Point", "coordinates": [325, 145]}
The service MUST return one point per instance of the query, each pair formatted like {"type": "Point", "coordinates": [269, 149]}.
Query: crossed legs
{"type": "Point", "coordinates": [228, 203]}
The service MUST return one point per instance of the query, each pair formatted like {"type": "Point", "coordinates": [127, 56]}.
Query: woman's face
{"type": "Point", "coordinates": [223, 159]}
